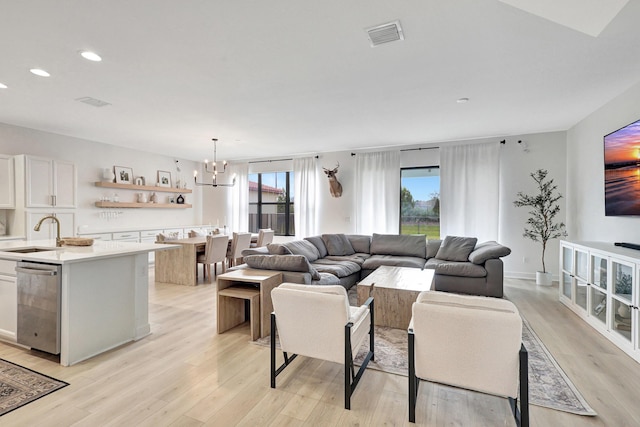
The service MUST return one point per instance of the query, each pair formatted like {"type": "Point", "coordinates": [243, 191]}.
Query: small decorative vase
{"type": "Point", "coordinates": [623, 311]}
{"type": "Point", "coordinates": [153, 198]}
{"type": "Point", "coordinates": [180, 199]}
{"type": "Point", "coordinates": [108, 175]}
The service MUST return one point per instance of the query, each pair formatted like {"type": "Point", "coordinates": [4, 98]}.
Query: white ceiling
{"type": "Point", "coordinates": [287, 77]}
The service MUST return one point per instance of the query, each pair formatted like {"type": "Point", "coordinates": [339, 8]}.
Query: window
{"type": "Point", "coordinates": [271, 202]}
{"type": "Point", "coordinates": [420, 201]}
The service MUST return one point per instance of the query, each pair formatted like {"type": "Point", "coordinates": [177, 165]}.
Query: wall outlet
{"type": "Point", "coordinates": [525, 259]}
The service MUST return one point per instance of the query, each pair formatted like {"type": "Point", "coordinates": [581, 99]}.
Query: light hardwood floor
{"type": "Point", "coordinates": [184, 374]}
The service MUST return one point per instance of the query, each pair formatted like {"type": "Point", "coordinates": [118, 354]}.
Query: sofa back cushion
{"type": "Point", "coordinates": [488, 250]}
{"type": "Point", "coordinates": [432, 247]}
{"type": "Point", "coordinates": [337, 244]}
{"type": "Point", "coordinates": [303, 247]}
{"type": "Point", "coordinates": [277, 249]}
{"type": "Point", "coordinates": [414, 245]}
{"type": "Point", "coordinates": [455, 248]}
{"type": "Point", "coordinates": [361, 243]}
{"type": "Point", "coordinates": [319, 244]}
{"type": "Point", "coordinates": [283, 263]}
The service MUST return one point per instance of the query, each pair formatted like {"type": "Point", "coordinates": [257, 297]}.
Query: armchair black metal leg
{"type": "Point", "coordinates": [372, 331]}
{"type": "Point", "coordinates": [413, 381]}
{"type": "Point", "coordinates": [273, 350]}
{"type": "Point", "coordinates": [348, 366]}
{"type": "Point", "coordinates": [524, 387]}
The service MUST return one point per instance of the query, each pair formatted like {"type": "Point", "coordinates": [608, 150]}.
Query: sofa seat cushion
{"type": "Point", "coordinates": [337, 268]}
{"type": "Point", "coordinates": [282, 262]}
{"type": "Point", "coordinates": [376, 261]}
{"type": "Point", "coordinates": [456, 268]}
{"type": "Point", "coordinates": [353, 258]}
{"type": "Point", "coordinates": [408, 245]}
{"type": "Point", "coordinates": [326, 279]}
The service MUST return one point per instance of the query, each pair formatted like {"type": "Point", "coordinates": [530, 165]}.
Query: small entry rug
{"type": "Point", "coordinates": [548, 384]}
{"type": "Point", "coordinates": [20, 385]}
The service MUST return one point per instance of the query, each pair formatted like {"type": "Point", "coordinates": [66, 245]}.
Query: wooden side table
{"type": "Point", "coordinates": [228, 310]}
{"type": "Point", "coordinates": [231, 304]}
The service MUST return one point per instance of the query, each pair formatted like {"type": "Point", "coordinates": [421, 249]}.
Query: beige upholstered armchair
{"type": "Point", "coordinates": [470, 342]}
{"type": "Point", "coordinates": [317, 321]}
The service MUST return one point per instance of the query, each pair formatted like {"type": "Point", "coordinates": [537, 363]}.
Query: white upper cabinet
{"type": "Point", "coordinates": [7, 183]}
{"type": "Point", "coordinates": [50, 183]}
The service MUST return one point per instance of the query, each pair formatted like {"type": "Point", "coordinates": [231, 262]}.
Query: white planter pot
{"type": "Point", "coordinates": [543, 279]}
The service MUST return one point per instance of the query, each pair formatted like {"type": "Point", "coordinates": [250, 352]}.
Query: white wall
{"type": "Point", "coordinates": [585, 173]}
{"type": "Point", "coordinates": [90, 158]}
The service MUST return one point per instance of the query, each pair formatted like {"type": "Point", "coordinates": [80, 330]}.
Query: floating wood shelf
{"type": "Point", "coordinates": [143, 187]}
{"type": "Point", "coordinates": [143, 205]}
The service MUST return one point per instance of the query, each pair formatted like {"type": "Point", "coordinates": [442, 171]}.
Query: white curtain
{"type": "Point", "coordinates": [238, 198]}
{"type": "Point", "coordinates": [470, 190]}
{"type": "Point", "coordinates": [305, 174]}
{"type": "Point", "coordinates": [377, 191]}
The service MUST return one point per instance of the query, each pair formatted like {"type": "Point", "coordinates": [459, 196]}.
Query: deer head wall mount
{"type": "Point", "coordinates": [334, 186]}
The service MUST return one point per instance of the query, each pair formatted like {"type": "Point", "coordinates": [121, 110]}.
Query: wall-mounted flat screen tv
{"type": "Point", "coordinates": [622, 171]}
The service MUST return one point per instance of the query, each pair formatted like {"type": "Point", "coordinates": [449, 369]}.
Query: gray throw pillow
{"type": "Point", "coordinates": [303, 247]}
{"type": "Point", "coordinates": [283, 263]}
{"type": "Point", "coordinates": [360, 243]}
{"type": "Point", "coordinates": [319, 244]}
{"type": "Point", "coordinates": [337, 244]}
{"type": "Point", "coordinates": [488, 250]}
{"type": "Point", "coordinates": [433, 245]}
{"type": "Point", "coordinates": [455, 248]}
{"type": "Point", "coordinates": [278, 249]}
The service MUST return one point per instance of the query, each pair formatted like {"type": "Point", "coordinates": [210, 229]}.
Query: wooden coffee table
{"type": "Point", "coordinates": [394, 290]}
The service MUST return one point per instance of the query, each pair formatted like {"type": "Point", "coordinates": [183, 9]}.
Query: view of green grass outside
{"type": "Point", "coordinates": [420, 201]}
{"type": "Point", "coordinates": [432, 231]}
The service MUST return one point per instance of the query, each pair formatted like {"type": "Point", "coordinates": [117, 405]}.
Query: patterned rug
{"type": "Point", "coordinates": [19, 386]}
{"type": "Point", "coordinates": [548, 384]}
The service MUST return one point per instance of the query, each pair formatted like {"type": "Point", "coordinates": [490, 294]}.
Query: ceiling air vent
{"type": "Point", "coordinates": [385, 33]}
{"type": "Point", "coordinates": [92, 101]}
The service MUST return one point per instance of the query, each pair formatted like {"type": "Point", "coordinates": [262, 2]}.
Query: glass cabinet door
{"type": "Point", "coordinates": [567, 259]}
{"type": "Point", "coordinates": [598, 304]}
{"type": "Point", "coordinates": [581, 294]}
{"type": "Point", "coordinates": [622, 277]}
{"type": "Point", "coordinates": [582, 265]}
{"type": "Point", "coordinates": [599, 271]}
{"type": "Point", "coordinates": [566, 285]}
{"type": "Point", "coordinates": [621, 318]}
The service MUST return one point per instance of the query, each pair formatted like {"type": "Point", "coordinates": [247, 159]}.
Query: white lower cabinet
{"type": "Point", "coordinates": [600, 283]}
{"type": "Point", "coordinates": [8, 301]}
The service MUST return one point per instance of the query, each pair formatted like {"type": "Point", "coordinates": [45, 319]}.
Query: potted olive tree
{"type": "Point", "coordinates": [541, 225]}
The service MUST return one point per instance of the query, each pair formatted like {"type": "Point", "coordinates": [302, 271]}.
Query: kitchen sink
{"type": "Point", "coordinates": [28, 250]}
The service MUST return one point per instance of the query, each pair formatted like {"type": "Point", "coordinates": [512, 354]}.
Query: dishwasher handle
{"type": "Point", "coordinates": [36, 271]}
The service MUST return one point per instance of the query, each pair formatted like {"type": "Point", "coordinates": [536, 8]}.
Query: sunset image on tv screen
{"type": "Point", "coordinates": [622, 171]}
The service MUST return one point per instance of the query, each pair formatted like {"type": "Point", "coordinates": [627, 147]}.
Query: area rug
{"type": "Point", "coordinates": [20, 385]}
{"type": "Point", "coordinates": [548, 384]}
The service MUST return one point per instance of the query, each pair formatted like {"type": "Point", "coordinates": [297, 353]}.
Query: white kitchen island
{"type": "Point", "coordinates": [104, 292]}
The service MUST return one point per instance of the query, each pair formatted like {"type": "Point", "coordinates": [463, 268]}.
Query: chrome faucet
{"type": "Point", "coordinates": [37, 228]}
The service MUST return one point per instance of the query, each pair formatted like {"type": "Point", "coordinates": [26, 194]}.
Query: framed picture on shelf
{"type": "Point", "coordinates": [123, 175]}
{"type": "Point", "coordinates": [164, 179]}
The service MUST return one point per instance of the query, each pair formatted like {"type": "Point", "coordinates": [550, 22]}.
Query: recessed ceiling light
{"type": "Point", "coordinates": [39, 72]}
{"type": "Point", "coordinates": [91, 56]}
{"type": "Point", "coordinates": [3, 86]}
{"type": "Point", "coordinates": [462, 100]}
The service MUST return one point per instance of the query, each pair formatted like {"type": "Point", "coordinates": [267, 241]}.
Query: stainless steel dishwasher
{"type": "Point", "coordinates": [39, 306]}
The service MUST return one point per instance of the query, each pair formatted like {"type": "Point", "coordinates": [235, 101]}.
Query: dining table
{"type": "Point", "coordinates": [180, 266]}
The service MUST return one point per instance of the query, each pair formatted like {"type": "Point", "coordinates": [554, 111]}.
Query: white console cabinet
{"type": "Point", "coordinates": [600, 283]}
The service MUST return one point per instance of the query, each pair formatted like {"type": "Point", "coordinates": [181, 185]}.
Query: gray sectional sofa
{"type": "Point", "coordinates": [461, 265]}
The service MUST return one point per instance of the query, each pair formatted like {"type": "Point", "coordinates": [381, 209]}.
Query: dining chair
{"type": "Point", "coordinates": [265, 236]}
{"type": "Point", "coordinates": [239, 242]}
{"type": "Point", "coordinates": [215, 251]}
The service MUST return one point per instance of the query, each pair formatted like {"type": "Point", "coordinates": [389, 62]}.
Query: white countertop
{"type": "Point", "coordinates": [70, 254]}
